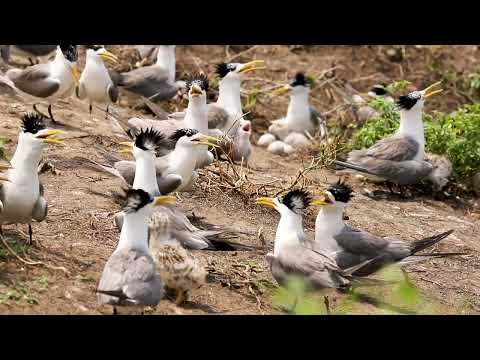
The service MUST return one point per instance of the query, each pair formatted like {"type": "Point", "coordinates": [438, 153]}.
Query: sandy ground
{"type": "Point", "coordinates": [78, 235]}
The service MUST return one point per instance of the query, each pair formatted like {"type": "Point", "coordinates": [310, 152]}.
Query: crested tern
{"type": "Point", "coordinates": [398, 159]}
{"type": "Point", "coordinates": [181, 272]}
{"type": "Point", "coordinates": [301, 118]}
{"type": "Point", "coordinates": [95, 83]}
{"type": "Point", "coordinates": [349, 246]}
{"type": "Point", "coordinates": [155, 82]}
{"type": "Point", "coordinates": [22, 197]}
{"type": "Point", "coordinates": [294, 255]}
{"type": "Point", "coordinates": [49, 81]}
{"type": "Point", "coordinates": [129, 277]}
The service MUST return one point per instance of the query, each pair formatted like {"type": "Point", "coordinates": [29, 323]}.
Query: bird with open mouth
{"type": "Point", "coordinates": [95, 83]}
{"type": "Point", "coordinates": [398, 159]}
{"type": "Point", "coordinates": [22, 197]}
{"type": "Point", "coordinates": [56, 79]}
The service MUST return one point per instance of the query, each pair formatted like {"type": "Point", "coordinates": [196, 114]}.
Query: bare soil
{"type": "Point", "coordinates": [78, 235]}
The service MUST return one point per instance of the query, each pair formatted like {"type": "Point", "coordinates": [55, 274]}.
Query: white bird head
{"type": "Point", "coordinates": [35, 133]}
{"type": "Point", "coordinates": [416, 99]}
{"type": "Point", "coordinates": [233, 71]}
{"type": "Point", "coordinates": [138, 201]}
{"type": "Point", "coordinates": [147, 142]}
{"type": "Point", "coordinates": [69, 54]}
{"type": "Point", "coordinates": [190, 138]}
{"type": "Point", "coordinates": [197, 86]}
{"type": "Point", "coordinates": [100, 54]}
{"type": "Point", "coordinates": [337, 195]}
{"type": "Point", "coordinates": [294, 202]}
{"type": "Point", "coordinates": [300, 85]}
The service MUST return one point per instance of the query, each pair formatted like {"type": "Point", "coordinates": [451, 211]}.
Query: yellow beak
{"type": "Point", "coordinates": [195, 91]}
{"type": "Point", "coordinates": [429, 92]}
{"type": "Point", "coordinates": [164, 199]}
{"type": "Point", "coordinates": [266, 201]}
{"type": "Point", "coordinates": [281, 91]}
{"type": "Point", "coordinates": [129, 147]}
{"type": "Point", "coordinates": [322, 201]}
{"type": "Point", "coordinates": [75, 74]}
{"type": "Point", "coordinates": [206, 140]}
{"type": "Point", "coordinates": [106, 55]}
{"type": "Point", "coordinates": [252, 66]}
{"type": "Point", "coordinates": [48, 137]}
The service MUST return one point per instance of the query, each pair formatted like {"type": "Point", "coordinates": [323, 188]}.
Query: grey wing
{"type": "Point", "coordinates": [315, 117]}
{"type": "Point", "coordinates": [112, 92]}
{"type": "Point", "coordinates": [149, 81]}
{"type": "Point", "coordinates": [40, 208]}
{"type": "Point", "coordinates": [37, 50]}
{"type": "Point", "coordinates": [34, 80]}
{"type": "Point", "coordinates": [310, 264]}
{"type": "Point", "coordinates": [142, 284]}
{"type": "Point", "coordinates": [217, 117]}
{"type": "Point", "coordinates": [112, 278]}
{"type": "Point", "coordinates": [395, 148]}
{"type": "Point", "coordinates": [126, 169]}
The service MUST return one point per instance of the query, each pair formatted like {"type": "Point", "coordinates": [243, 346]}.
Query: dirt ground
{"type": "Point", "coordinates": [78, 235]}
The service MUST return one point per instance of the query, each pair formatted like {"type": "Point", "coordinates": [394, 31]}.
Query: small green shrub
{"type": "Point", "coordinates": [456, 135]}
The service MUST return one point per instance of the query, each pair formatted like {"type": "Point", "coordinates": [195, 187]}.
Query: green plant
{"type": "Point", "coordinates": [19, 247]}
{"type": "Point", "coordinates": [455, 135]}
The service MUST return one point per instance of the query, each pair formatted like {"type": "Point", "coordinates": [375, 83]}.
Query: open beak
{"type": "Point", "coordinates": [128, 147]}
{"type": "Point", "coordinates": [206, 140]}
{"type": "Point", "coordinates": [281, 91]}
{"type": "Point", "coordinates": [195, 91]}
{"type": "Point", "coordinates": [252, 66]}
{"type": "Point", "coordinates": [75, 74]}
{"type": "Point", "coordinates": [106, 55]}
{"type": "Point", "coordinates": [429, 90]}
{"type": "Point", "coordinates": [266, 201]}
{"type": "Point", "coordinates": [48, 137]}
{"type": "Point", "coordinates": [164, 200]}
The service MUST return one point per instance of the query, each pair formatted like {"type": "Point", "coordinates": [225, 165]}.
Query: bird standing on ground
{"type": "Point", "coordinates": [155, 82]}
{"type": "Point", "coordinates": [179, 269]}
{"type": "Point", "coordinates": [349, 246]}
{"type": "Point", "coordinates": [49, 81]}
{"type": "Point", "coordinates": [398, 159]}
{"type": "Point", "coordinates": [129, 278]}
{"type": "Point", "coordinates": [292, 253]}
{"type": "Point", "coordinates": [22, 197]}
{"type": "Point", "coordinates": [95, 83]}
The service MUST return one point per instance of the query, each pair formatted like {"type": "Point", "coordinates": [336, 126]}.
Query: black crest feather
{"type": "Point", "coordinates": [70, 52]}
{"type": "Point", "coordinates": [223, 69]}
{"type": "Point", "coordinates": [198, 79]}
{"type": "Point", "coordinates": [300, 80]}
{"type": "Point", "coordinates": [406, 102]}
{"type": "Point", "coordinates": [379, 90]}
{"type": "Point", "coordinates": [150, 139]}
{"type": "Point", "coordinates": [183, 132]}
{"type": "Point", "coordinates": [341, 191]}
{"type": "Point", "coordinates": [297, 200]}
{"type": "Point", "coordinates": [134, 199]}
{"type": "Point", "coordinates": [33, 123]}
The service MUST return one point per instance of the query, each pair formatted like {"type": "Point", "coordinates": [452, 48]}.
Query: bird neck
{"type": "Point", "coordinates": [299, 111]}
{"type": "Point", "coordinates": [166, 59]}
{"type": "Point", "coordinates": [183, 159]}
{"type": "Point", "coordinates": [145, 174]}
{"type": "Point", "coordinates": [329, 223]}
{"type": "Point", "coordinates": [229, 96]}
{"type": "Point", "coordinates": [289, 231]}
{"type": "Point", "coordinates": [411, 125]}
{"type": "Point", "coordinates": [196, 115]}
{"type": "Point", "coordinates": [134, 235]}
{"type": "Point", "coordinates": [25, 161]}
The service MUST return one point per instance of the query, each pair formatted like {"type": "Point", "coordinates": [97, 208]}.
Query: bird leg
{"type": "Point", "coordinates": [50, 113]}
{"type": "Point", "coordinates": [389, 186]}
{"type": "Point", "coordinates": [31, 61]}
{"type": "Point", "coordinates": [182, 296]}
{"type": "Point", "coordinates": [326, 301]}
{"type": "Point", "coordinates": [38, 111]}
{"type": "Point", "coordinates": [30, 236]}
{"type": "Point", "coordinates": [115, 312]}
{"type": "Point", "coordinates": [90, 109]}
{"type": "Point", "coordinates": [107, 113]}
